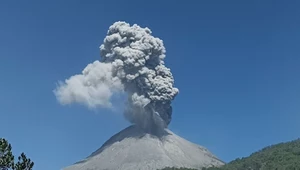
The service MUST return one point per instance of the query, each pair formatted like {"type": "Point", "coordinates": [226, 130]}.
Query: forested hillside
{"type": "Point", "coordinates": [282, 156]}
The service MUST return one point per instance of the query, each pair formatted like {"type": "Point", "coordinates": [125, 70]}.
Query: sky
{"type": "Point", "coordinates": [236, 64]}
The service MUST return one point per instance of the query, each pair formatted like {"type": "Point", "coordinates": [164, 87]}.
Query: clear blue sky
{"type": "Point", "coordinates": [236, 64]}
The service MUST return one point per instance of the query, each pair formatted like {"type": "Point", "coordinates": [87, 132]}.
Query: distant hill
{"type": "Point", "coordinates": [282, 156]}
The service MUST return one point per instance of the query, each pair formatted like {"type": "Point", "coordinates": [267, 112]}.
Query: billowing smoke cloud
{"type": "Point", "coordinates": [132, 61]}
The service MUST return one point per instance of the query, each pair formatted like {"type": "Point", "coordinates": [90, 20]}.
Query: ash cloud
{"type": "Point", "coordinates": [132, 62]}
{"type": "Point", "coordinates": [93, 88]}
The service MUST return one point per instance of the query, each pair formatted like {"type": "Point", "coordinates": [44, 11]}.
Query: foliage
{"type": "Point", "coordinates": [283, 156]}
{"type": "Point", "coordinates": [24, 163]}
{"type": "Point", "coordinates": [7, 158]}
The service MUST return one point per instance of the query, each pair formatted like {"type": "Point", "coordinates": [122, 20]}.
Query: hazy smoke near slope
{"type": "Point", "coordinates": [131, 62]}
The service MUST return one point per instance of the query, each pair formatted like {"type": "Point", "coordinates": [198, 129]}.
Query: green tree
{"type": "Point", "coordinates": [24, 163]}
{"type": "Point", "coordinates": [7, 158]}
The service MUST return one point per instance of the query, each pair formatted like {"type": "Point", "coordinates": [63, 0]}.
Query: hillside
{"type": "Point", "coordinates": [282, 156]}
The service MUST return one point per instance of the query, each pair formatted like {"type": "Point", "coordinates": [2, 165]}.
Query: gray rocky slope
{"type": "Point", "coordinates": [133, 149]}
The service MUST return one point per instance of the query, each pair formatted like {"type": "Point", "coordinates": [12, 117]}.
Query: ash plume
{"type": "Point", "coordinates": [132, 62]}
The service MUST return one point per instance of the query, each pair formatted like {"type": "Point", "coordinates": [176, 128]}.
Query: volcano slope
{"type": "Point", "coordinates": [133, 149]}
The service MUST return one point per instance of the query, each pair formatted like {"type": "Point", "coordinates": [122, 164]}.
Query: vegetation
{"type": "Point", "coordinates": [283, 156]}
{"type": "Point", "coordinates": [7, 161]}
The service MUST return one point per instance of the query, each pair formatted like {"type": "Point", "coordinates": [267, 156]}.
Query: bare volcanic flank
{"type": "Point", "coordinates": [133, 149]}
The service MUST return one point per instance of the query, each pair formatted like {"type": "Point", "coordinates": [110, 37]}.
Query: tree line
{"type": "Point", "coordinates": [7, 159]}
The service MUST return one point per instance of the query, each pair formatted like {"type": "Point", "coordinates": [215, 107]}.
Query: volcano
{"type": "Point", "coordinates": [135, 149]}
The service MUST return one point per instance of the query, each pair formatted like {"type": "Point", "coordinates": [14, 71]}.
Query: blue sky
{"type": "Point", "coordinates": [236, 65]}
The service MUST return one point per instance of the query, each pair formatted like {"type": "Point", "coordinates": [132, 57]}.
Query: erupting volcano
{"type": "Point", "coordinates": [132, 64]}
